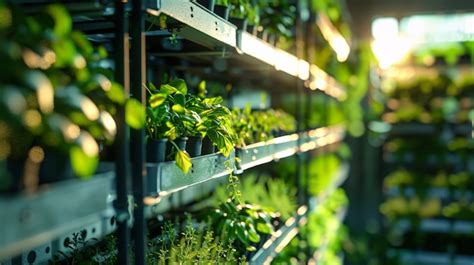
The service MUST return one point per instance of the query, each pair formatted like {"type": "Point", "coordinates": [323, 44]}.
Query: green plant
{"type": "Point", "coordinates": [243, 223]}
{"type": "Point", "coordinates": [222, 2]}
{"type": "Point", "coordinates": [260, 125]}
{"type": "Point", "coordinates": [323, 232]}
{"type": "Point", "coordinates": [278, 17]}
{"type": "Point", "coordinates": [87, 252]}
{"type": "Point", "coordinates": [173, 113]}
{"type": "Point", "coordinates": [323, 172]}
{"type": "Point", "coordinates": [242, 9]}
{"type": "Point", "coordinates": [271, 194]}
{"type": "Point", "coordinates": [192, 246]}
{"type": "Point", "coordinates": [54, 93]}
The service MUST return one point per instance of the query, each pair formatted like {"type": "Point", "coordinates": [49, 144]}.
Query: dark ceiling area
{"type": "Point", "coordinates": [363, 11]}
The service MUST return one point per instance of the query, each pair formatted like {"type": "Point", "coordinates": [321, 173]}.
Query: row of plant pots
{"type": "Point", "coordinates": [161, 150]}
{"type": "Point", "coordinates": [242, 24]}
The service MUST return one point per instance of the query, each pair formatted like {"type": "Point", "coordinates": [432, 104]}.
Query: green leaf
{"type": "Point", "coordinates": [83, 165]}
{"type": "Point", "coordinates": [135, 114]}
{"type": "Point", "coordinates": [253, 235]}
{"type": "Point", "coordinates": [65, 51]}
{"type": "Point", "coordinates": [165, 88]}
{"type": "Point", "coordinates": [157, 99]}
{"type": "Point", "coordinates": [183, 161]}
{"type": "Point", "coordinates": [180, 85]}
{"type": "Point", "coordinates": [202, 89]}
{"type": "Point", "coordinates": [62, 20]}
{"type": "Point", "coordinates": [82, 43]}
{"type": "Point", "coordinates": [178, 108]}
{"type": "Point", "coordinates": [116, 94]}
{"type": "Point", "coordinates": [152, 87]}
{"type": "Point", "coordinates": [179, 99]}
{"type": "Point", "coordinates": [251, 248]}
{"type": "Point", "coordinates": [265, 228]}
{"type": "Point", "coordinates": [242, 233]}
{"type": "Point", "coordinates": [213, 101]}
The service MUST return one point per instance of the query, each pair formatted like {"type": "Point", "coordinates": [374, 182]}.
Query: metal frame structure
{"type": "Point", "coordinates": [149, 184]}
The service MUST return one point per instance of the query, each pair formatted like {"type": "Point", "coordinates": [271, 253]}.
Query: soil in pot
{"type": "Point", "coordinates": [156, 150]}
{"type": "Point", "coordinates": [170, 149]}
{"type": "Point", "coordinates": [271, 39]}
{"type": "Point", "coordinates": [41, 167]}
{"type": "Point", "coordinates": [252, 29]}
{"type": "Point", "coordinates": [240, 23]}
{"type": "Point", "coordinates": [194, 146]}
{"type": "Point", "coordinates": [207, 146]}
{"type": "Point", "coordinates": [222, 11]}
{"type": "Point", "coordinates": [209, 4]}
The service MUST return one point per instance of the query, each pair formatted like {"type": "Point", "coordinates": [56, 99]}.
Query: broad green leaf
{"type": "Point", "coordinates": [102, 52]}
{"type": "Point", "coordinates": [179, 99]}
{"type": "Point", "coordinates": [253, 235]}
{"type": "Point", "coordinates": [83, 165]}
{"type": "Point", "coordinates": [202, 89]}
{"type": "Point", "coordinates": [213, 101]}
{"type": "Point", "coordinates": [82, 43]}
{"type": "Point", "coordinates": [251, 248]}
{"type": "Point", "coordinates": [62, 19]}
{"type": "Point", "coordinates": [116, 94]}
{"type": "Point", "coordinates": [265, 228]}
{"type": "Point", "coordinates": [65, 51]}
{"type": "Point", "coordinates": [165, 88]}
{"type": "Point", "coordinates": [157, 99]}
{"type": "Point", "coordinates": [183, 161]}
{"type": "Point", "coordinates": [242, 233]}
{"type": "Point", "coordinates": [180, 85]}
{"type": "Point", "coordinates": [135, 114]}
{"type": "Point", "coordinates": [178, 108]}
{"type": "Point", "coordinates": [151, 86]}
{"type": "Point", "coordinates": [171, 133]}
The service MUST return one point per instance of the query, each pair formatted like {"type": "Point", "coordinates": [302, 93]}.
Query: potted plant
{"type": "Point", "coordinates": [209, 4]}
{"type": "Point", "coordinates": [222, 9]}
{"type": "Point", "coordinates": [57, 101]}
{"type": "Point", "coordinates": [253, 17]}
{"type": "Point", "coordinates": [277, 19]}
{"type": "Point", "coordinates": [237, 13]}
{"type": "Point", "coordinates": [167, 119]}
{"type": "Point", "coordinates": [217, 120]}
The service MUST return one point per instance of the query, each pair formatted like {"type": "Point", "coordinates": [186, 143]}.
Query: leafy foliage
{"type": "Point", "coordinates": [54, 93]}
{"type": "Point", "coordinates": [192, 246]}
{"type": "Point", "coordinates": [244, 223]}
{"type": "Point", "coordinates": [260, 125]}
{"type": "Point", "coordinates": [174, 113]}
{"type": "Point", "coordinates": [271, 194]}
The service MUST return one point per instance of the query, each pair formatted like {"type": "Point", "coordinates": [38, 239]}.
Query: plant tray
{"type": "Point", "coordinates": [166, 177]}
{"type": "Point", "coordinates": [29, 220]}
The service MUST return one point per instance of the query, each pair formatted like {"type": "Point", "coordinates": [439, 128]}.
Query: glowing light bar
{"type": "Point", "coordinates": [335, 39]}
{"type": "Point", "coordinates": [259, 49]}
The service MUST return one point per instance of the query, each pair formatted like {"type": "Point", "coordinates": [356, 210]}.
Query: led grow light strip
{"type": "Point", "coordinates": [335, 39]}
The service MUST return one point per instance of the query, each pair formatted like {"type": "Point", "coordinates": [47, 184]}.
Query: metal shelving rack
{"type": "Point", "coordinates": [108, 204]}
{"type": "Point", "coordinates": [281, 238]}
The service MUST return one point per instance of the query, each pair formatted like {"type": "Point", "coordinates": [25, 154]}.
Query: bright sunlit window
{"type": "Point", "coordinates": [389, 46]}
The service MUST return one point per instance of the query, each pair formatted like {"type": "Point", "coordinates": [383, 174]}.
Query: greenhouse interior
{"type": "Point", "coordinates": [177, 131]}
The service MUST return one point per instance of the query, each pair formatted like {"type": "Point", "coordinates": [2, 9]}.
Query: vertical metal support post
{"type": "Point", "coordinates": [137, 78]}
{"type": "Point", "coordinates": [299, 90]}
{"type": "Point", "coordinates": [121, 146]}
{"type": "Point", "coordinates": [310, 45]}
